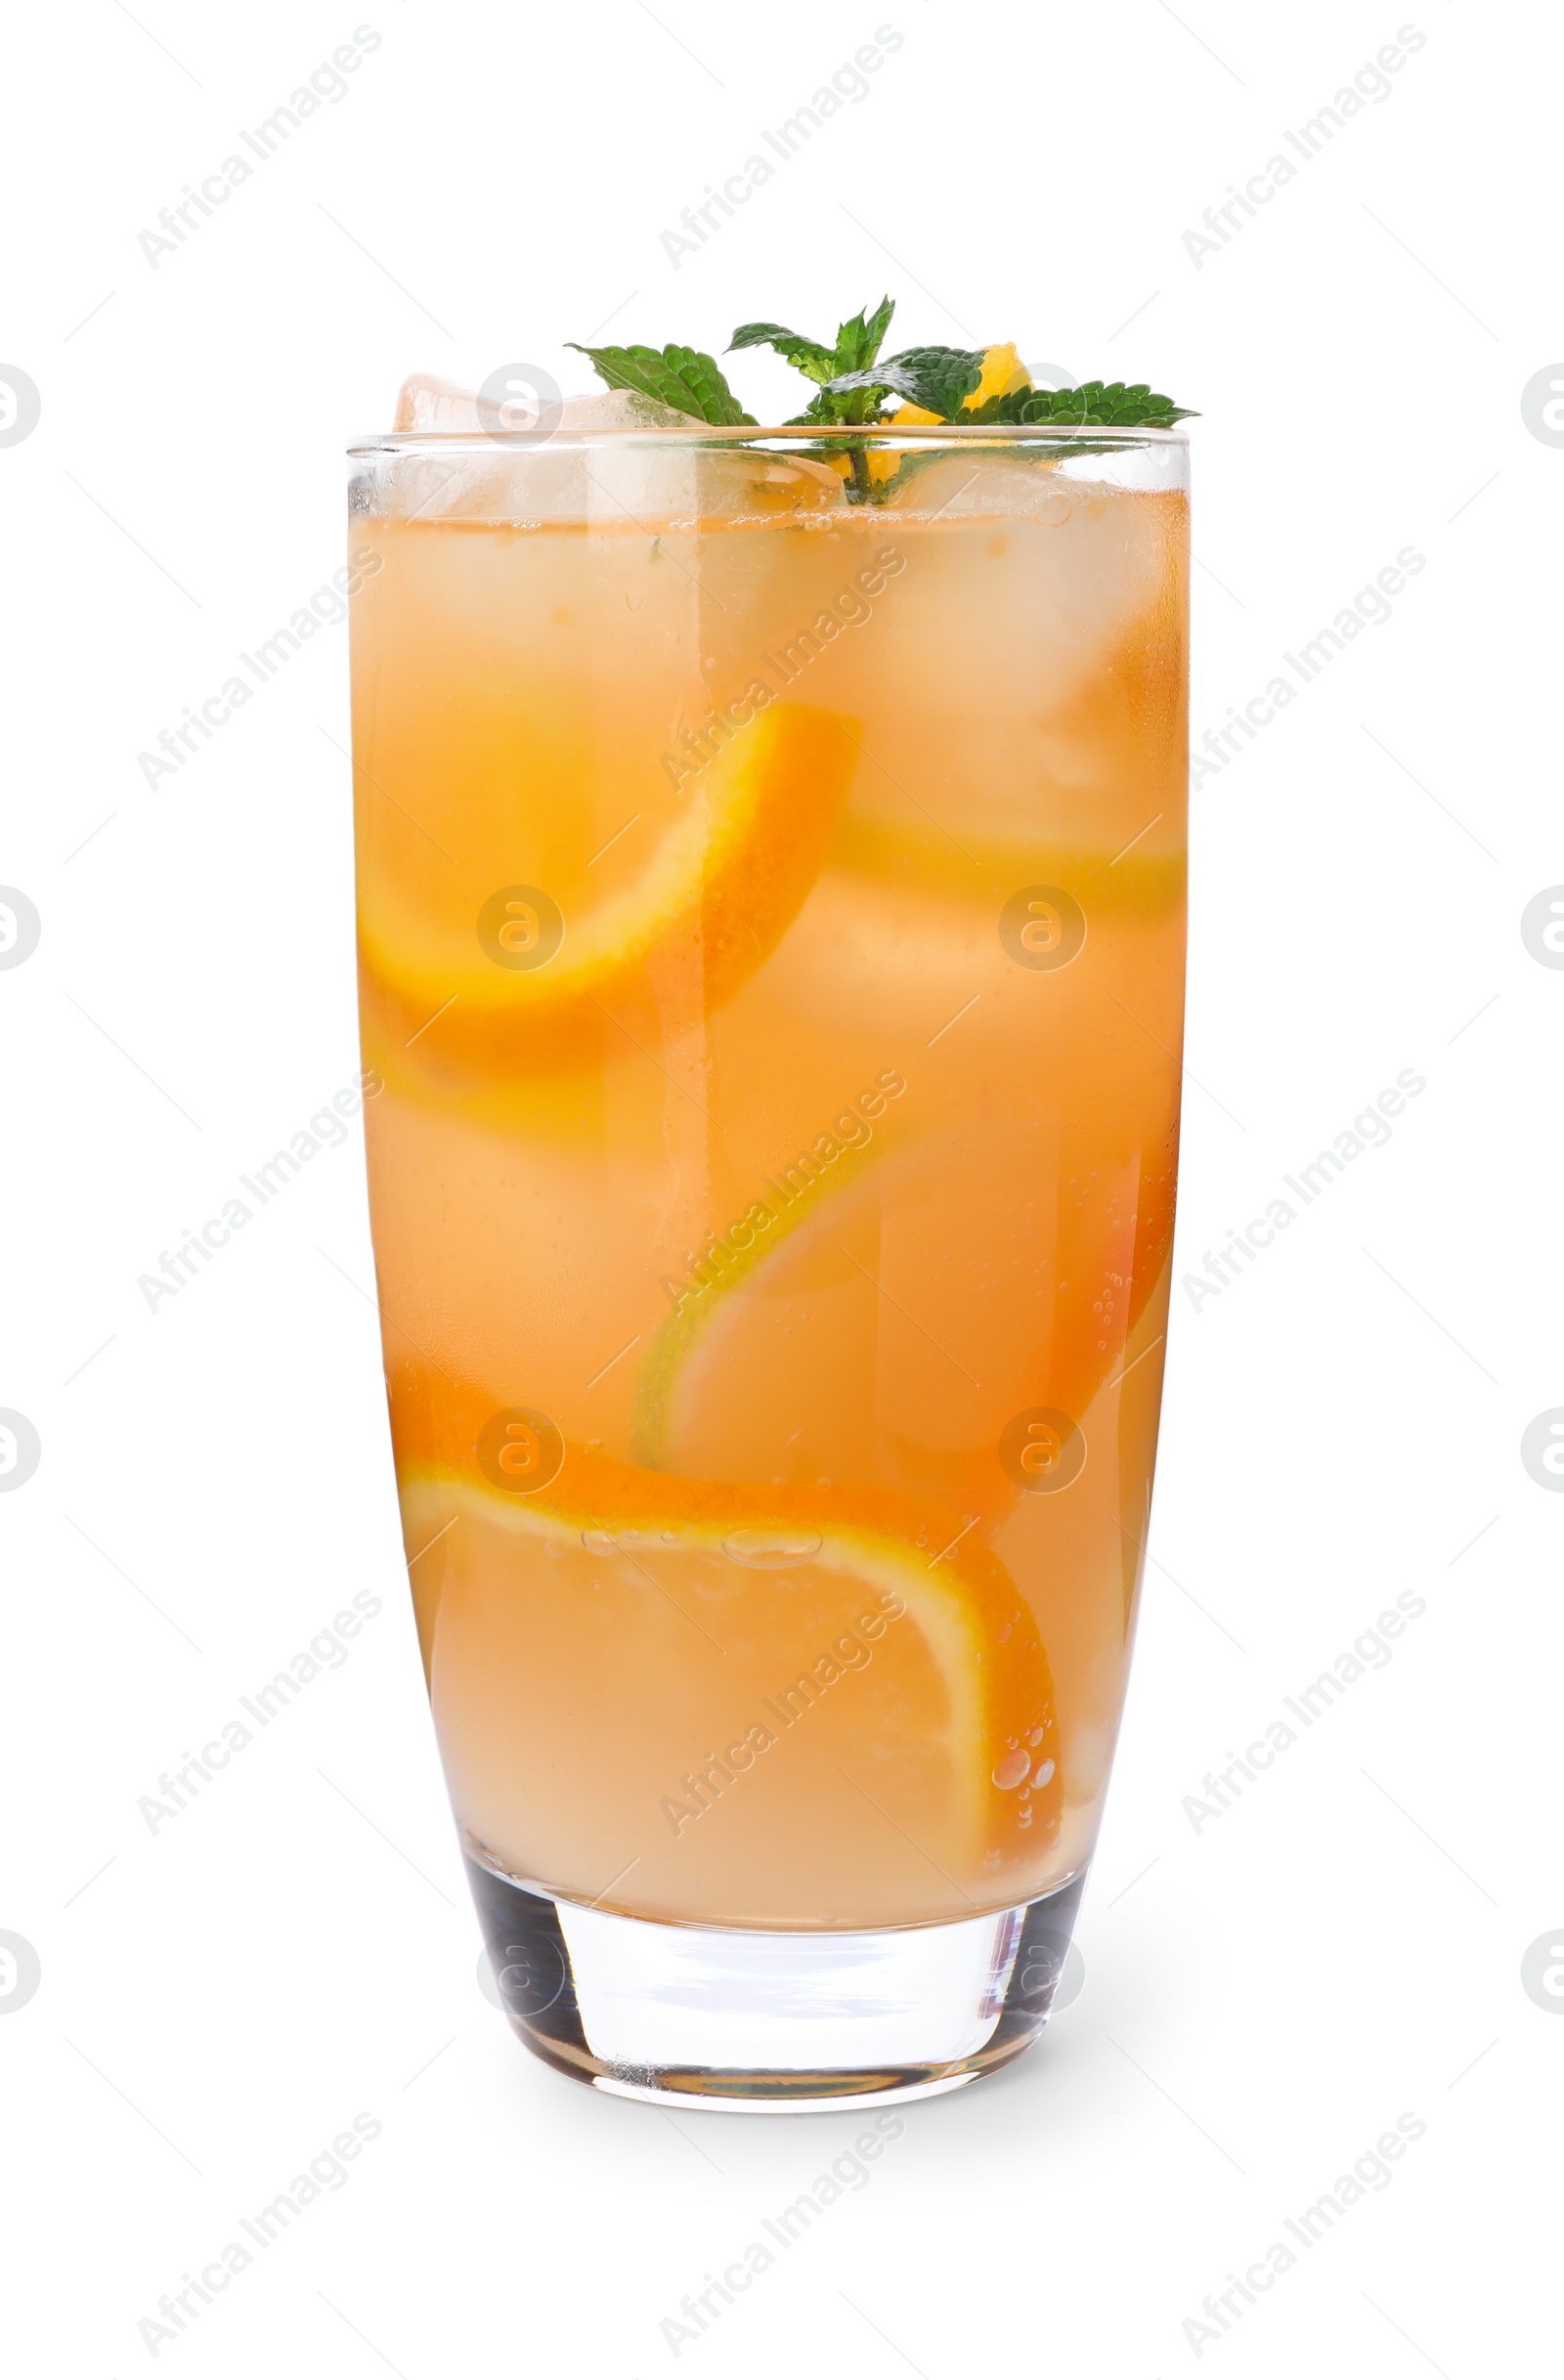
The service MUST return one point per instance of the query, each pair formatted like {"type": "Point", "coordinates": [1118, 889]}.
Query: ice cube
{"type": "Point", "coordinates": [956, 485]}
{"type": "Point", "coordinates": [425, 402]}
{"type": "Point", "coordinates": [584, 469]}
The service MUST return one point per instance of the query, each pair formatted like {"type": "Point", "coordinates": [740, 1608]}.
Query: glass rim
{"type": "Point", "coordinates": [880, 434]}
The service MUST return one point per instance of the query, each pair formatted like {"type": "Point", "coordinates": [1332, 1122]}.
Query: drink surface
{"type": "Point", "coordinates": [771, 931]}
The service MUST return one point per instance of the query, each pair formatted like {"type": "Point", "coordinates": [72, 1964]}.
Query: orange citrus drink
{"type": "Point", "coordinates": [772, 945]}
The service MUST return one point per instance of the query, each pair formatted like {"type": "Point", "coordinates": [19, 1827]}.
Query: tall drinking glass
{"type": "Point", "coordinates": [770, 894]}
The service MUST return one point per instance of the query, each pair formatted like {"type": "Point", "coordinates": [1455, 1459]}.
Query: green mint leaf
{"type": "Point", "coordinates": [938, 378]}
{"type": "Point", "coordinates": [816, 361]}
{"type": "Point", "coordinates": [1110, 405]}
{"type": "Point", "coordinates": [679, 376]}
{"type": "Point", "coordinates": [858, 342]}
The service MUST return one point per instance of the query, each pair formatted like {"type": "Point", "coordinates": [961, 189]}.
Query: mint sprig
{"type": "Point", "coordinates": [851, 384]}
{"type": "Point", "coordinates": [677, 377]}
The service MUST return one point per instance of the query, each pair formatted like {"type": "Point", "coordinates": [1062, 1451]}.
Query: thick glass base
{"type": "Point", "coordinates": [728, 2017]}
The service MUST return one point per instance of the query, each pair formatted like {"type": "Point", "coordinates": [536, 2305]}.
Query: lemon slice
{"type": "Point", "coordinates": [801, 1354]}
{"type": "Point", "coordinates": [512, 968]}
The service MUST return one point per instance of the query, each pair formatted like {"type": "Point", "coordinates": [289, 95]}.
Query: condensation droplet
{"type": "Point", "coordinates": [599, 1542]}
{"type": "Point", "coordinates": [1043, 1774]}
{"type": "Point", "coordinates": [1034, 1736]}
{"type": "Point", "coordinates": [771, 1548]}
{"type": "Point", "coordinates": [1010, 1772]}
{"type": "Point", "coordinates": [670, 1537]}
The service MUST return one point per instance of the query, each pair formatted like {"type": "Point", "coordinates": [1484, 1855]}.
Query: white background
{"type": "Point", "coordinates": [1262, 1997]}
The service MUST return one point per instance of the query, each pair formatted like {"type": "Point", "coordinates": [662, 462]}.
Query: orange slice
{"type": "Point", "coordinates": [512, 970]}
{"type": "Point", "coordinates": [660, 1613]}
